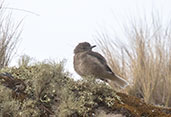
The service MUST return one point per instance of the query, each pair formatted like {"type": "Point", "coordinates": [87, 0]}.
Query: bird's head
{"type": "Point", "coordinates": [82, 47]}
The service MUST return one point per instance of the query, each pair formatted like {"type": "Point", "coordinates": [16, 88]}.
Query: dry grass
{"type": "Point", "coordinates": [145, 61]}
{"type": "Point", "coordinates": [9, 36]}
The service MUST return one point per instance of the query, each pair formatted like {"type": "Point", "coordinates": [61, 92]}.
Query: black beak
{"type": "Point", "coordinates": [93, 46]}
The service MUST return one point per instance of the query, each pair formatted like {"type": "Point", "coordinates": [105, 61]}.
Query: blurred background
{"type": "Point", "coordinates": [52, 28]}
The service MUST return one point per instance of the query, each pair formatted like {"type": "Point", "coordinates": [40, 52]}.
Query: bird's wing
{"type": "Point", "coordinates": [108, 69]}
{"type": "Point", "coordinates": [101, 59]}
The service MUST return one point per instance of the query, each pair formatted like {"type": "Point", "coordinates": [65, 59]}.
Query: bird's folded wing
{"type": "Point", "coordinates": [101, 60]}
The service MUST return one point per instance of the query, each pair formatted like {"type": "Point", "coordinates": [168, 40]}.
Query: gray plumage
{"type": "Point", "coordinates": [90, 63]}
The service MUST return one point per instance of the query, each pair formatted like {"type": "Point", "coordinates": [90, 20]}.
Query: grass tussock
{"type": "Point", "coordinates": [144, 59]}
{"type": "Point", "coordinates": [9, 36]}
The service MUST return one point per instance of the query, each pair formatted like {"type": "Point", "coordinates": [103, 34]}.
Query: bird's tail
{"type": "Point", "coordinates": [117, 80]}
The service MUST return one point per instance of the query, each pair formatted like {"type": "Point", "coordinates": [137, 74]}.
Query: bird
{"type": "Point", "coordinates": [89, 63]}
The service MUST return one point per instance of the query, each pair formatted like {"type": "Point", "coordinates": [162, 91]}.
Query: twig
{"type": "Point", "coordinates": [48, 110]}
{"type": "Point", "coordinates": [21, 10]}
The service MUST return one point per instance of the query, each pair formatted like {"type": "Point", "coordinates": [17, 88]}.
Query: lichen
{"type": "Point", "coordinates": [51, 91]}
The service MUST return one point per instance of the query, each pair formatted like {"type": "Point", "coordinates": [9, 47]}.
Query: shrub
{"type": "Point", "coordinates": [49, 91]}
{"type": "Point", "coordinates": [43, 84]}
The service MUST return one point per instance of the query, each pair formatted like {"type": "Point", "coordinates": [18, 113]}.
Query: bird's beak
{"type": "Point", "coordinates": [93, 46]}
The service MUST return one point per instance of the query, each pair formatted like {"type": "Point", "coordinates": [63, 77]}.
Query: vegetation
{"type": "Point", "coordinates": [43, 83]}
{"type": "Point", "coordinates": [50, 91]}
{"type": "Point", "coordinates": [9, 36]}
{"type": "Point", "coordinates": [44, 89]}
{"type": "Point", "coordinates": [144, 59]}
